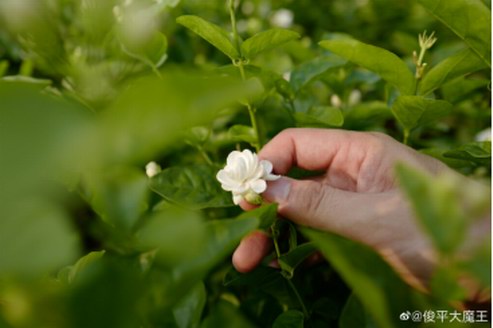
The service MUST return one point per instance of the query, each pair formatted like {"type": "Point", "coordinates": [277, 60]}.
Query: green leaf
{"type": "Point", "coordinates": [266, 215]}
{"type": "Point", "coordinates": [221, 237]}
{"type": "Point", "coordinates": [354, 315]}
{"type": "Point", "coordinates": [319, 116]}
{"type": "Point", "coordinates": [291, 260]}
{"type": "Point", "coordinates": [35, 238]}
{"type": "Point", "coordinates": [188, 311]}
{"type": "Point", "coordinates": [4, 66]}
{"type": "Point", "coordinates": [119, 197]}
{"type": "Point", "coordinates": [194, 186]}
{"type": "Point", "coordinates": [289, 319]}
{"type": "Point", "coordinates": [309, 71]}
{"type": "Point", "coordinates": [152, 52]}
{"type": "Point", "coordinates": [365, 115]}
{"type": "Point", "coordinates": [257, 278]}
{"type": "Point", "coordinates": [242, 133]}
{"type": "Point", "coordinates": [266, 40]}
{"type": "Point", "coordinates": [381, 291]}
{"type": "Point", "coordinates": [457, 65]}
{"type": "Point", "coordinates": [380, 61]}
{"type": "Point", "coordinates": [436, 204]}
{"type": "Point", "coordinates": [476, 152]}
{"type": "Point", "coordinates": [69, 274]}
{"type": "Point", "coordinates": [164, 230]}
{"type": "Point", "coordinates": [469, 19]}
{"type": "Point", "coordinates": [225, 313]}
{"type": "Point", "coordinates": [461, 88]}
{"type": "Point", "coordinates": [210, 32]}
{"type": "Point", "coordinates": [413, 111]}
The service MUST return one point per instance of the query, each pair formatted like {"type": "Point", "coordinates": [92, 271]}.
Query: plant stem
{"type": "Point", "coordinates": [298, 296]}
{"type": "Point", "coordinates": [406, 136]}
{"type": "Point", "coordinates": [205, 156]}
{"type": "Point", "coordinates": [288, 280]}
{"type": "Point", "coordinates": [233, 24]}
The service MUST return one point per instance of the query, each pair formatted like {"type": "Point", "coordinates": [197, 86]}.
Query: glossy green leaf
{"type": "Point", "coordinates": [413, 111]}
{"type": "Point", "coordinates": [380, 61]}
{"type": "Point", "coordinates": [476, 152]}
{"type": "Point", "coordinates": [153, 52]}
{"type": "Point", "coordinates": [193, 186]}
{"type": "Point", "coordinates": [309, 71]}
{"type": "Point", "coordinates": [266, 214]}
{"type": "Point", "coordinates": [210, 32]}
{"type": "Point", "coordinates": [460, 64]}
{"type": "Point", "coordinates": [188, 311]}
{"type": "Point", "coordinates": [319, 116]}
{"type": "Point", "coordinates": [436, 204]}
{"type": "Point", "coordinates": [469, 19]}
{"type": "Point", "coordinates": [292, 259]}
{"type": "Point", "coordinates": [242, 133]}
{"type": "Point", "coordinates": [266, 40]}
{"type": "Point", "coordinates": [381, 291]}
{"type": "Point", "coordinates": [289, 319]}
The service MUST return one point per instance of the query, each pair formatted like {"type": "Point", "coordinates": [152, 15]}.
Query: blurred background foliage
{"type": "Point", "coordinates": [91, 91]}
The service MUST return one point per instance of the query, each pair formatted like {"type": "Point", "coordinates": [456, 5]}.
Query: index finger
{"type": "Point", "coordinates": [312, 149]}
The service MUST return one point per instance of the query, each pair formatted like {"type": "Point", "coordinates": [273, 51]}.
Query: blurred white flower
{"type": "Point", "coordinates": [282, 18]}
{"type": "Point", "coordinates": [152, 169]}
{"type": "Point", "coordinates": [245, 176]}
{"type": "Point", "coordinates": [354, 97]}
{"type": "Point", "coordinates": [335, 101]}
{"type": "Point", "coordinates": [484, 135]}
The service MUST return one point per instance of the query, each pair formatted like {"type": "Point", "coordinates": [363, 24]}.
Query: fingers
{"type": "Point", "coordinates": [320, 206]}
{"type": "Point", "coordinates": [252, 249]}
{"type": "Point", "coordinates": [310, 149]}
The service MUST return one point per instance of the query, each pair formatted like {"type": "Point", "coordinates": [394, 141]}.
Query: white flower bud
{"type": "Point", "coordinates": [245, 176]}
{"type": "Point", "coordinates": [335, 101]}
{"type": "Point", "coordinates": [152, 169]}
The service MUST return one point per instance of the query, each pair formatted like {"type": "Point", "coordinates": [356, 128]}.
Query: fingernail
{"type": "Point", "coordinates": [277, 191]}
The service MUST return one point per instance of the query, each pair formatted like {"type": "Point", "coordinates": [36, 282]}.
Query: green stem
{"type": "Point", "coordinates": [233, 23]}
{"type": "Point", "coordinates": [298, 296]}
{"type": "Point", "coordinates": [290, 283]}
{"type": "Point", "coordinates": [205, 156]}
{"type": "Point", "coordinates": [406, 136]}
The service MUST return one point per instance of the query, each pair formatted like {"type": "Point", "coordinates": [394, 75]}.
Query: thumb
{"type": "Point", "coordinates": [318, 205]}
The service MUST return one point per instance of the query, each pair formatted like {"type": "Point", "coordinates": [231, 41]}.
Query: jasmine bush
{"type": "Point", "coordinates": [92, 91]}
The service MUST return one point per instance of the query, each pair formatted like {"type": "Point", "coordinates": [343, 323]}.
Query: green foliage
{"type": "Point", "coordinates": [266, 40]}
{"type": "Point", "coordinates": [384, 63]}
{"type": "Point", "coordinates": [91, 91]}
{"type": "Point", "coordinates": [210, 32]}
{"type": "Point", "coordinates": [192, 186]}
{"type": "Point", "coordinates": [469, 19]}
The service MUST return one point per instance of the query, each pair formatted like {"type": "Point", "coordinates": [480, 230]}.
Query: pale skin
{"type": "Point", "coordinates": [357, 196]}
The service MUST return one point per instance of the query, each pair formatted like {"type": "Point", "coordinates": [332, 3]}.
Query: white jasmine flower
{"type": "Point", "coordinates": [484, 135]}
{"type": "Point", "coordinates": [245, 176]}
{"type": "Point", "coordinates": [335, 101]}
{"type": "Point", "coordinates": [354, 97]}
{"type": "Point", "coordinates": [282, 18]}
{"type": "Point", "coordinates": [152, 169]}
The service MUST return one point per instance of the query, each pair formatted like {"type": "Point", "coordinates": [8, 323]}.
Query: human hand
{"type": "Point", "coordinates": [356, 197]}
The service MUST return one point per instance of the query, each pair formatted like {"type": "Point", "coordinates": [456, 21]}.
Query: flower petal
{"type": "Point", "coordinates": [259, 186]}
